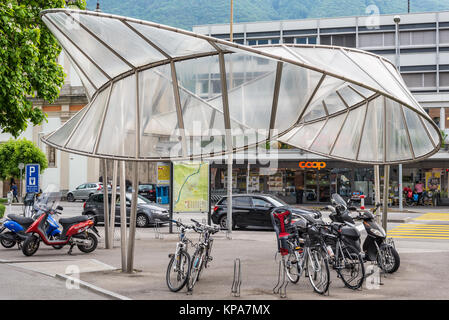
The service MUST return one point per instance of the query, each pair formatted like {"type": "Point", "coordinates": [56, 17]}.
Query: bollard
{"type": "Point", "coordinates": [362, 202]}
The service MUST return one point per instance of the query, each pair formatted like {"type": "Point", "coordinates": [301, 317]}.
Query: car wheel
{"type": "Point", "coordinates": [142, 220]}
{"type": "Point", "coordinates": [70, 197]}
{"type": "Point", "coordinates": [223, 222]}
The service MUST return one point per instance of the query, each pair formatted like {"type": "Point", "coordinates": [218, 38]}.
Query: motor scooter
{"type": "Point", "coordinates": [12, 231]}
{"type": "Point", "coordinates": [75, 232]}
{"type": "Point", "coordinates": [377, 247]}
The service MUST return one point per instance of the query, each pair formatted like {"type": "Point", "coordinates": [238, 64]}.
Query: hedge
{"type": "Point", "coordinates": [2, 210]}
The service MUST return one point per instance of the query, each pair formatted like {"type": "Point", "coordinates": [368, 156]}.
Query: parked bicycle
{"type": "Point", "coordinates": [344, 258]}
{"type": "Point", "coordinates": [302, 248]}
{"type": "Point", "coordinates": [202, 255]}
{"type": "Point", "coordinates": [179, 266]}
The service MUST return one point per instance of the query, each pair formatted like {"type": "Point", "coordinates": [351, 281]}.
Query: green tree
{"type": "Point", "coordinates": [28, 62]}
{"type": "Point", "coordinates": [18, 151]}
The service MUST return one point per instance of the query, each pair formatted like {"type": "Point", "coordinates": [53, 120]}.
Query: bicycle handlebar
{"type": "Point", "coordinates": [205, 226]}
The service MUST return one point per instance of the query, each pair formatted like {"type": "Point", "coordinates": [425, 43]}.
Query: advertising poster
{"type": "Point", "coordinates": [163, 173]}
{"type": "Point", "coordinates": [433, 181]}
{"type": "Point", "coordinates": [190, 187]}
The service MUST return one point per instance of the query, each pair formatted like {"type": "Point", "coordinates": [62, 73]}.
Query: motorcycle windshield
{"type": "Point", "coordinates": [338, 200]}
{"type": "Point", "coordinates": [49, 199]}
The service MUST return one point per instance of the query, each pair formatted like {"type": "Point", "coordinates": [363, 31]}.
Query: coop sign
{"type": "Point", "coordinates": [312, 165]}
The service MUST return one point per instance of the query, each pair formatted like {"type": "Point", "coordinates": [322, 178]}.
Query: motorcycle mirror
{"type": "Point", "coordinates": [59, 208]}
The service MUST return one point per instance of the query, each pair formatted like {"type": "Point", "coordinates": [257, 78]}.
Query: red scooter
{"type": "Point", "coordinates": [75, 232]}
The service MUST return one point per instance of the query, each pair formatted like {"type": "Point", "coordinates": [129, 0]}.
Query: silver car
{"type": "Point", "coordinates": [84, 191]}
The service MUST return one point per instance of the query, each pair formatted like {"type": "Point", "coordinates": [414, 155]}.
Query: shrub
{"type": "Point", "coordinates": [2, 210]}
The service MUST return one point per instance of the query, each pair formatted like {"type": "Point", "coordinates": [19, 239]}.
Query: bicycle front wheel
{"type": "Point", "coordinates": [350, 267]}
{"type": "Point", "coordinates": [178, 271]}
{"type": "Point", "coordinates": [318, 270]}
{"type": "Point", "coordinates": [195, 268]}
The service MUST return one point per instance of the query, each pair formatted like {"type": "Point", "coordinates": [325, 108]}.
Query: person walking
{"type": "Point", "coordinates": [419, 188]}
{"type": "Point", "coordinates": [14, 192]}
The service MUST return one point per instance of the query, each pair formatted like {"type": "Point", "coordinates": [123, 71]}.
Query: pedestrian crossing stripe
{"type": "Point", "coordinates": [433, 216]}
{"type": "Point", "coordinates": [420, 231]}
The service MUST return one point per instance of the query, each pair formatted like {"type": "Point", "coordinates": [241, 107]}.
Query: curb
{"type": "Point", "coordinates": [399, 220]}
{"type": "Point", "coordinates": [92, 287]}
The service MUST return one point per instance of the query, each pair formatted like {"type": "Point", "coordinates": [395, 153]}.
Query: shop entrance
{"type": "Point", "coordinates": [316, 186]}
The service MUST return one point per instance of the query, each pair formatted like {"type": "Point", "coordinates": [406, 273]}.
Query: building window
{"type": "Point", "coordinates": [342, 40]}
{"type": "Point", "coordinates": [415, 80]}
{"type": "Point", "coordinates": [51, 157]}
{"type": "Point", "coordinates": [444, 79]}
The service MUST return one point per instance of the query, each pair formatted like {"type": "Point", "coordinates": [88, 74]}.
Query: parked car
{"type": "Point", "coordinates": [84, 191]}
{"type": "Point", "coordinates": [147, 213]}
{"type": "Point", "coordinates": [252, 210]}
{"type": "Point", "coordinates": [148, 190]}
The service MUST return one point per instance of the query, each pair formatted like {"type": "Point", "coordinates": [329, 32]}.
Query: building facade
{"type": "Point", "coordinates": [422, 56]}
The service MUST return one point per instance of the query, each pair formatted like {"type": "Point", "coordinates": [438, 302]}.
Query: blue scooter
{"type": "Point", "coordinates": [14, 229]}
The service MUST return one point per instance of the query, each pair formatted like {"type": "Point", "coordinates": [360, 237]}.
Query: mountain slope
{"type": "Point", "coordinates": [187, 13]}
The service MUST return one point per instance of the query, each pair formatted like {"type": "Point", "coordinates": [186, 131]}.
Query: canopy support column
{"type": "Point", "coordinates": [106, 204]}
{"type": "Point", "coordinates": [385, 200]}
{"type": "Point", "coordinates": [227, 123]}
{"type": "Point", "coordinates": [377, 189]}
{"type": "Point", "coordinates": [113, 202]}
{"type": "Point", "coordinates": [400, 187]}
{"type": "Point", "coordinates": [123, 213]}
{"type": "Point", "coordinates": [132, 219]}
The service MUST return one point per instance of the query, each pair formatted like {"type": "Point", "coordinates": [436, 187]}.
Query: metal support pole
{"type": "Point", "coordinates": [106, 204]}
{"type": "Point", "coordinates": [385, 202]}
{"type": "Point", "coordinates": [229, 199]}
{"type": "Point", "coordinates": [132, 219]}
{"type": "Point", "coordinates": [377, 189]}
{"type": "Point", "coordinates": [123, 213]}
{"type": "Point", "coordinates": [170, 226]}
{"type": "Point", "coordinates": [113, 203]}
{"type": "Point", "coordinates": [400, 187]}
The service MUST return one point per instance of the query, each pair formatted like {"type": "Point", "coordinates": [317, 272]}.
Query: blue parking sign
{"type": "Point", "coordinates": [32, 178]}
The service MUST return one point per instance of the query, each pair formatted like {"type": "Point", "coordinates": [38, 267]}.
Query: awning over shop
{"type": "Point", "coordinates": [160, 93]}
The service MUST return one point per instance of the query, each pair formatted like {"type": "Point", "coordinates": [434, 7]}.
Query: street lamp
{"type": "Point", "coordinates": [396, 20]}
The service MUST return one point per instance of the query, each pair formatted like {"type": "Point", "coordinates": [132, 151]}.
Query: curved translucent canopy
{"type": "Point", "coordinates": [160, 93]}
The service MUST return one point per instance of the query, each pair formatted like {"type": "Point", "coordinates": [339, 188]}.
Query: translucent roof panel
{"type": "Point", "coordinates": [160, 93]}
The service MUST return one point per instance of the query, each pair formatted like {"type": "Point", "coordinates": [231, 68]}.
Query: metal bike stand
{"type": "Point", "coordinates": [157, 231]}
{"type": "Point", "coordinates": [281, 286]}
{"type": "Point", "coordinates": [237, 281]}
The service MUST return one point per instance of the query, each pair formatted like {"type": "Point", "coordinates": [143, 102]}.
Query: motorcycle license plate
{"type": "Point", "coordinates": [360, 227]}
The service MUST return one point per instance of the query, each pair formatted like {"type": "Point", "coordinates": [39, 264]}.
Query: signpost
{"type": "Point", "coordinates": [31, 184]}
{"type": "Point", "coordinates": [32, 178]}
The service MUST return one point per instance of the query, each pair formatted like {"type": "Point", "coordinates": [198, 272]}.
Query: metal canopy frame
{"type": "Point", "coordinates": [283, 55]}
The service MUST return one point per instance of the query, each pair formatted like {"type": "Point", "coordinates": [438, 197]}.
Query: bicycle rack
{"type": "Point", "coordinates": [157, 231]}
{"type": "Point", "coordinates": [237, 281]}
{"type": "Point", "coordinates": [281, 287]}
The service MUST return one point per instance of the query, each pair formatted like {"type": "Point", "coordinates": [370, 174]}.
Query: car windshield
{"type": "Point", "coordinates": [276, 201]}
{"type": "Point", "coordinates": [338, 199]}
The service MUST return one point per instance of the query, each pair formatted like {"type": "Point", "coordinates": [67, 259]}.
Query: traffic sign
{"type": "Point", "coordinates": [32, 177]}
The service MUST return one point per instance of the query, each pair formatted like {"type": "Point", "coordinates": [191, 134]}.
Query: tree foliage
{"type": "Point", "coordinates": [28, 62]}
{"type": "Point", "coordinates": [187, 13]}
{"type": "Point", "coordinates": [18, 151]}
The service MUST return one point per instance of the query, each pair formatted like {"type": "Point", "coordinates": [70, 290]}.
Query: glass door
{"type": "Point", "coordinates": [310, 186]}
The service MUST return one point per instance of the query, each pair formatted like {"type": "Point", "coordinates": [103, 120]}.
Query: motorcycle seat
{"type": "Point", "coordinates": [20, 219]}
{"type": "Point", "coordinates": [73, 220]}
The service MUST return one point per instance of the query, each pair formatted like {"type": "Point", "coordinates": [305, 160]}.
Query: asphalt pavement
{"type": "Point", "coordinates": [419, 234]}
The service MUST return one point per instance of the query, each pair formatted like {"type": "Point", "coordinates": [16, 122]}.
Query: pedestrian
{"type": "Point", "coordinates": [419, 188]}
{"type": "Point", "coordinates": [14, 192]}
